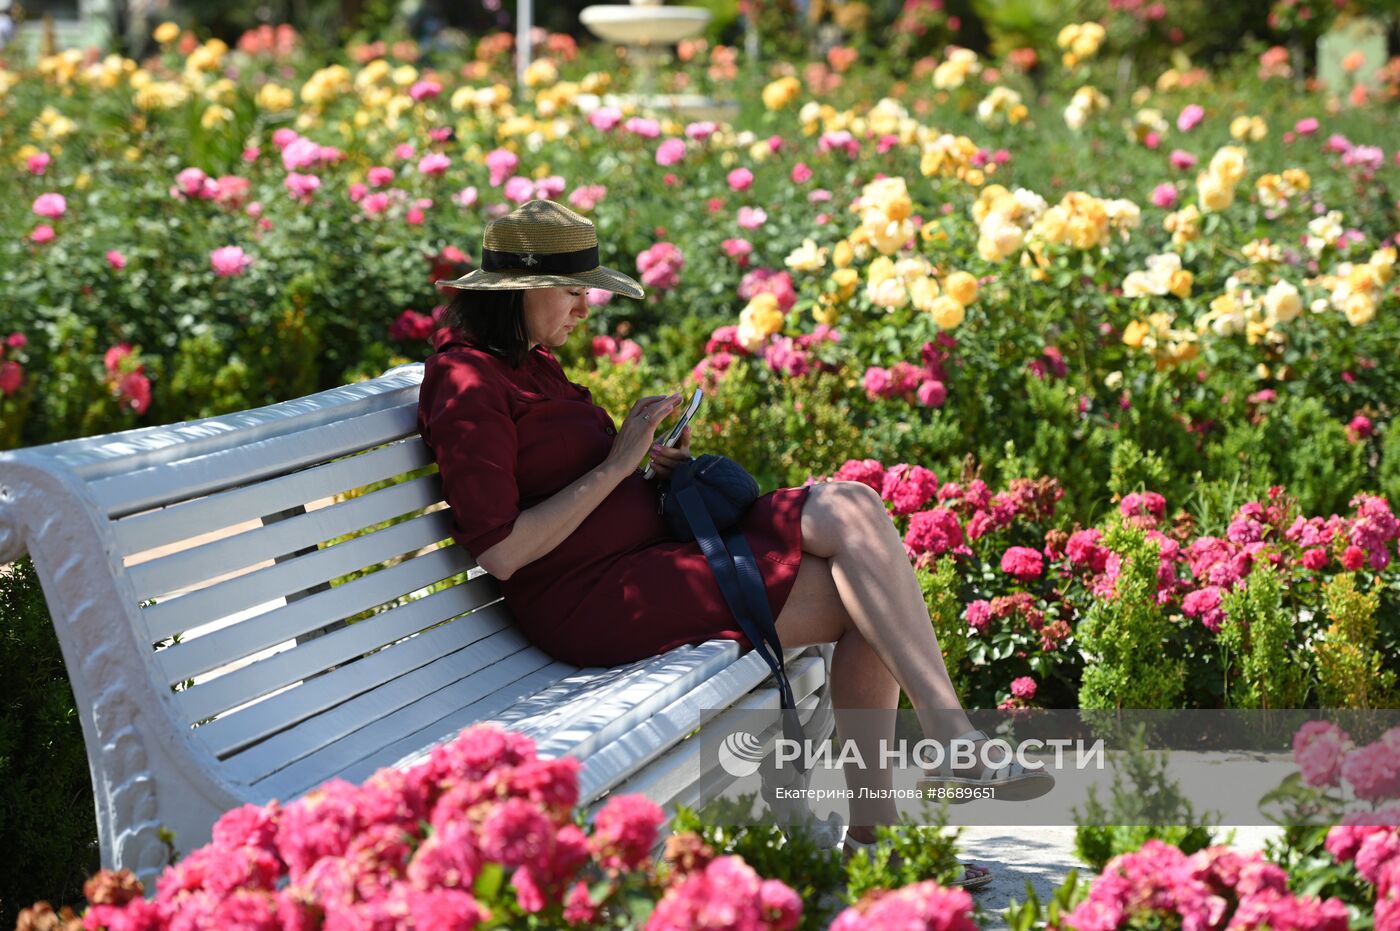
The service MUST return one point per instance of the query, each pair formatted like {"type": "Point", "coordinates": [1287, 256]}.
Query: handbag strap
{"type": "Point", "coordinates": [736, 571]}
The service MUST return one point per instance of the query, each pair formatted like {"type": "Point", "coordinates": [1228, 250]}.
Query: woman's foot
{"type": "Point", "coordinates": [1010, 782]}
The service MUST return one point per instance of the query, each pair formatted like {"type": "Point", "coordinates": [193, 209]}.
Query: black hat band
{"type": "Point", "coordinates": [557, 263]}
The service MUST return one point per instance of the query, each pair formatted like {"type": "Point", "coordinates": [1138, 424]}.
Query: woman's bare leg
{"type": "Point", "coordinates": [859, 680]}
{"type": "Point", "coordinates": [846, 524]}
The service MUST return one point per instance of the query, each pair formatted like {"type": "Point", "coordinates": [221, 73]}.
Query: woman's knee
{"type": "Point", "coordinates": [835, 512]}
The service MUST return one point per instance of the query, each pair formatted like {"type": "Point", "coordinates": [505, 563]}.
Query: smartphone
{"type": "Point", "coordinates": [674, 436]}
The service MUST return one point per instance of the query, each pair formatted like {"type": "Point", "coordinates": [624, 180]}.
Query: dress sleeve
{"type": "Point", "coordinates": [464, 417]}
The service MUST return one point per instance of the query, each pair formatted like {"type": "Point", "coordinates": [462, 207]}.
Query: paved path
{"type": "Point", "coordinates": [1043, 856]}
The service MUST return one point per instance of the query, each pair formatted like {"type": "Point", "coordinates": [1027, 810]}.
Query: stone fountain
{"type": "Point", "coordinates": [649, 29]}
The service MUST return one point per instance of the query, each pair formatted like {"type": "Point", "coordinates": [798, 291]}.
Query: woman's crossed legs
{"type": "Point", "coordinates": [855, 587]}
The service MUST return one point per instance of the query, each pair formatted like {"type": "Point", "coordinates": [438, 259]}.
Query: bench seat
{"type": "Point", "coordinates": [249, 605]}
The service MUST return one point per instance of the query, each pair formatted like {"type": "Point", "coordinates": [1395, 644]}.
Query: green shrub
{"type": "Point", "coordinates": [47, 818]}
{"type": "Point", "coordinates": [1259, 633]}
{"type": "Point", "coordinates": [1349, 667]}
{"type": "Point", "coordinates": [940, 589]}
{"type": "Point", "coordinates": [1143, 804]}
{"type": "Point", "coordinates": [1126, 636]}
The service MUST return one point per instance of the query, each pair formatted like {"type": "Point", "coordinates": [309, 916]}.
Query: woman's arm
{"type": "Point", "coordinates": [539, 529]}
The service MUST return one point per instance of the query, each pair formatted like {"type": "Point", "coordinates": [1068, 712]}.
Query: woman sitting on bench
{"type": "Point", "coordinates": [547, 498]}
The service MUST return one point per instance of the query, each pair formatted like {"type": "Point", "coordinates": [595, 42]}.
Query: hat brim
{"type": "Point", "coordinates": [601, 277]}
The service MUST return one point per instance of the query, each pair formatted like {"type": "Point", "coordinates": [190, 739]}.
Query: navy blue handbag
{"type": "Point", "coordinates": [704, 499]}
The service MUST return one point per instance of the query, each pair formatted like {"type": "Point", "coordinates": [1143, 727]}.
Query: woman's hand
{"type": "Point", "coordinates": [664, 459]}
{"type": "Point", "coordinates": [638, 430]}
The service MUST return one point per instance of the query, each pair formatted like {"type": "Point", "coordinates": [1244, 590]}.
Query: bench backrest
{"type": "Point", "coordinates": [296, 610]}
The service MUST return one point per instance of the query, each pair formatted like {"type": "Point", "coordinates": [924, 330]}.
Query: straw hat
{"type": "Point", "coordinates": [541, 244]}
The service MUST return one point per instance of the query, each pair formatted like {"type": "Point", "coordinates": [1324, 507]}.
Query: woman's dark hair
{"type": "Point", "coordinates": [495, 319]}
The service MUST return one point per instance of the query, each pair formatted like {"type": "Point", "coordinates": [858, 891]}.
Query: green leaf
{"type": "Point", "coordinates": [488, 882]}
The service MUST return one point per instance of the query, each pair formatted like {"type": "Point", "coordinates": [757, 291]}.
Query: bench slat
{"type": "Point", "coordinates": [233, 732]}
{"type": "Point", "coordinates": [621, 758]}
{"type": "Point", "coordinates": [409, 746]}
{"type": "Point", "coordinates": [97, 457]}
{"type": "Point", "coordinates": [150, 529]}
{"type": "Point", "coordinates": [614, 712]}
{"type": "Point", "coordinates": [484, 692]}
{"type": "Point", "coordinates": [441, 661]}
{"type": "Point", "coordinates": [140, 490]}
{"type": "Point", "coordinates": [186, 612]}
{"type": "Point", "coordinates": [188, 567]}
{"type": "Point", "coordinates": [317, 655]}
{"type": "Point", "coordinates": [671, 779]}
{"type": "Point", "coordinates": [203, 654]}
{"type": "Point", "coordinates": [570, 698]}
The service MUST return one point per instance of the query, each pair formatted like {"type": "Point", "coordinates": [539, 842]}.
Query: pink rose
{"type": "Point", "coordinates": [229, 261]}
{"type": "Point", "coordinates": [11, 377]}
{"type": "Point", "coordinates": [670, 152]}
{"type": "Point", "coordinates": [645, 127]}
{"type": "Point", "coordinates": [1023, 687]}
{"type": "Point", "coordinates": [42, 233]}
{"type": "Point", "coordinates": [51, 206]}
{"type": "Point", "coordinates": [700, 131]}
{"type": "Point", "coordinates": [801, 173]}
{"type": "Point", "coordinates": [1164, 195]}
{"type": "Point", "coordinates": [36, 164]}
{"type": "Point", "coordinates": [1182, 160]}
{"type": "Point", "coordinates": [425, 90]}
{"type": "Point", "coordinates": [1306, 126]}
{"type": "Point", "coordinates": [1190, 117]}
{"type": "Point", "coordinates": [501, 163]}
{"type": "Point", "coordinates": [605, 118]}
{"type": "Point", "coordinates": [751, 218]}
{"type": "Point", "coordinates": [740, 179]}
{"type": "Point", "coordinates": [378, 176]}
{"type": "Point", "coordinates": [1022, 562]}
{"type": "Point", "coordinates": [519, 189]}
{"type": "Point", "coordinates": [434, 163]}
{"type": "Point", "coordinates": [302, 187]}
{"type": "Point", "coordinates": [116, 260]}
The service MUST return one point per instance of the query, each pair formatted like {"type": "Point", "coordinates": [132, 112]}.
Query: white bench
{"type": "Point", "coordinates": [220, 670]}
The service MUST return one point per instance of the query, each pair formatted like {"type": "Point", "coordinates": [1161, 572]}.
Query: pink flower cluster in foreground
{"type": "Point", "coordinates": [1210, 889]}
{"type": "Point", "coordinates": [402, 850]}
{"type": "Point", "coordinates": [1327, 757]}
{"type": "Point", "coordinates": [1375, 849]}
{"type": "Point", "coordinates": [406, 849]}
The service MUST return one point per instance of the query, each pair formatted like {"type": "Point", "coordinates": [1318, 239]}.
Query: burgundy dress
{"type": "Point", "coordinates": [618, 588]}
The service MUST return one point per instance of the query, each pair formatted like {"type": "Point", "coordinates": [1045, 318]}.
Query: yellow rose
{"type": "Point", "coordinates": [1282, 302]}
{"type": "Point", "coordinates": [923, 292]}
{"type": "Point", "coordinates": [781, 92]}
{"type": "Point", "coordinates": [1134, 333]}
{"type": "Point", "coordinates": [825, 310]}
{"type": "Point", "coordinates": [946, 312]}
{"type": "Point", "coordinates": [1214, 193]}
{"type": "Point", "coordinates": [962, 287]}
{"type": "Point", "coordinates": [404, 75]}
{"type": "Point", "coordinates": [1360, 309]}
{"type": "Point", "coordinates": [272, 97]}
{"type": "Point", "coordinates": [215, 116]}
{"type": "Point", "coordinates": [762, 314]}
{"type": "Point", "coordinates": [166, 33]}
{"type": "Point", "coordinates": [1180, 283]}
{"type": "Point", "coordinates": [1228, 163]}
{"type": "Point", "coordinates": [879, 270]}
{"type": "Point", "coordinates": [845, 280]}
{"type": "Point", "coordinates": [842, 254]}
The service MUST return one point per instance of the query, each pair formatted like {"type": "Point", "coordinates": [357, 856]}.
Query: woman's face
{"type": "Point", "coordinates": [552, 313]}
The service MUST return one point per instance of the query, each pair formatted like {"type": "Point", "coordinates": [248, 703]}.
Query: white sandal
{"type": "Point", "coordinates": [1010, 783]}
{"type": "Point", "coordinates": [969, 880]}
